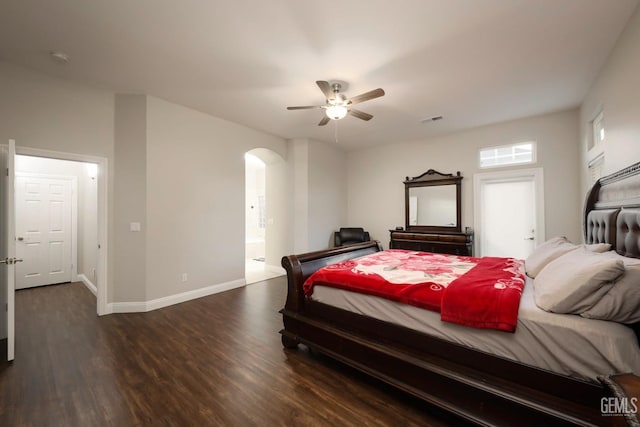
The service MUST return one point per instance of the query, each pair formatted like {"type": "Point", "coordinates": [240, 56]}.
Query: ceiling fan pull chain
{"type": "Point", "coordinates": [336, 133]}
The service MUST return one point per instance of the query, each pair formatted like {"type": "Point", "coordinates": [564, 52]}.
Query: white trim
{"type": "Point", "coordinates": [594, 147]}
{"type": "Point", "coordinates": [74, 213]}
{"type": "Point", "coordinates": [103, 247]}
{"type": "Point", "coordinates": [594, 168]}
{"type": "Point", "coordinates": [88, 283]}
{"type": "Point", "coordinates": [596, 159]}
{"type": "Point", "coordinates": [538, 180]}
{"type": "Point", "coordinates": [144, 306]}
{"type": "Point", "coordinates": [597, 126]}
{"type": "Point", "coordinates": [126, 307]}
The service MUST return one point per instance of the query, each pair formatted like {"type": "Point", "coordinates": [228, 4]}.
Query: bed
{"type": "Point", "coordinates": [465, 374]}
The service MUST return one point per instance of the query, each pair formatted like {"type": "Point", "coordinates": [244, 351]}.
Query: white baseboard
{"type": "Point", "coordinates": [88, 283]}
{"type": "Point", "coordinates": [127, 307]}
{"type": "Point", "coordinates": [144, 306]}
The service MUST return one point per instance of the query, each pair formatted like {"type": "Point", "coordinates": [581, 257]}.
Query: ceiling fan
{"type": "Point", "coordinates": [338, 105]}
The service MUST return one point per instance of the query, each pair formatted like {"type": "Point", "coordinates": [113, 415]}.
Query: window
{"type": "Point", "coordinates": [514, 154]}
{"type": "Point", "coordinates": [597, 129]}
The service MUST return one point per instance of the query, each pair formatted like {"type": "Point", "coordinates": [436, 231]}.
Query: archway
{"type": "Point", "coordinates": [265, 214]}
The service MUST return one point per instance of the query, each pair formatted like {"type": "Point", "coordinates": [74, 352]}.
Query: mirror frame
{"type": "Point", "coordinates": [429, 179]}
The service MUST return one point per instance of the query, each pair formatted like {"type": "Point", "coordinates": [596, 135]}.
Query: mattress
{"type": "Point", "coordinates": [565, 344]}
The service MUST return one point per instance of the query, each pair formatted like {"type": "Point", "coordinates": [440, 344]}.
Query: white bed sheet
{"type": "Point", "coordinates": [561, 343]}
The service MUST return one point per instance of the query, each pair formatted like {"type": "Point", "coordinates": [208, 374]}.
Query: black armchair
{"type": "Point", "coordinates": [349, 235]}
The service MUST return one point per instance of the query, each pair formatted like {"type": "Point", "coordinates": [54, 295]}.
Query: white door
{"type": "Point", "coordinates": [8, 259]}
{"type": "Point", "coordinates": [509, 212]}
{"type": "Point", "coordinates": [43, 230]}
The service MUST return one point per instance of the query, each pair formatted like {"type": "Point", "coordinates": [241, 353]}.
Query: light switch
{"type": "Point", "coordinates": [134, 226]}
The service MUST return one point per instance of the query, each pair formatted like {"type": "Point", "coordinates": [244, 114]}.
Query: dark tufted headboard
{"type": "Point", "coordinates": [628, 233]}
{"type": "Point", "coordinates": [601, 226]}
{"type": "Point", "coordinates": [612, 211]}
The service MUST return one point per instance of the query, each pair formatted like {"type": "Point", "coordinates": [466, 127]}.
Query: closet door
{"type": "Point", "coordinates": [43, 229]}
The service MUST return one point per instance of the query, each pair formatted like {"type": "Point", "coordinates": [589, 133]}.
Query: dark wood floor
{"type": "Point", "coordinates": [212, 361]}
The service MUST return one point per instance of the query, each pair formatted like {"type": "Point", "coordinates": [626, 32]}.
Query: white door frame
{"type": "Point", "coordinates": [509, 175]}
{"type": "Point", "coordinates": [74, 214]}
{"type": "Point", "coordinates": [102, 162]}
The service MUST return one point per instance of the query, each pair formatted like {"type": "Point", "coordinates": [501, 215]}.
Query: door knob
{"type": "Point", "coordinates": [528, 238]}
{"type": "Point", "coordinates": [20, 239]}
{"type": "Point", "coordinates": [10, 261]}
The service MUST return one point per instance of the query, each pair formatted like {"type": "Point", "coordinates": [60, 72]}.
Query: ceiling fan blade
{"type": "Point", "coordinates": [360, 114]}
{"type": "Point", "coordinates": [304, 107]}
{"type": "Point", "coordinates": [324, 121]}
{"type": "Point", "coordinates": [376, 93]}
{"type": "Point", "coordinates": [325, 87]}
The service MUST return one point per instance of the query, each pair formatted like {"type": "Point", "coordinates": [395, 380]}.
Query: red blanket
{"type": "Point", "coordinates": [478, 292]}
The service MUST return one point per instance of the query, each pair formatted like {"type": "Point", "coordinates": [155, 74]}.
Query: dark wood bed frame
{"type": "Point", "coordinates": [478, 387]}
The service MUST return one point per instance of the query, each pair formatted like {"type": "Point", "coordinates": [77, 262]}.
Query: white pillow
{"type": "Point", "coordinates": [622, 302]}
{"type": "Point", "coordinates": [547, 252]}
{"type": "Point", "coordinates": [574, 282]}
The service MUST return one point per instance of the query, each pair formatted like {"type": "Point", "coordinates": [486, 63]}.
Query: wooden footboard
{"type": "Point", "coordinates": [476, 386]}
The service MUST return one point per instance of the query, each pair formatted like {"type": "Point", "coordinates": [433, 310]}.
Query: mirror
{"type": "Point", "coordinates": [434, 205]}
{"type": "Point", "coordinates": [432, 202]}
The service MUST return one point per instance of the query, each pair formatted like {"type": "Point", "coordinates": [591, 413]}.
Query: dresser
{"type": "Point", "coordinates": [446, 242]}
{"type": "Point", "coordinates": [433, 216]}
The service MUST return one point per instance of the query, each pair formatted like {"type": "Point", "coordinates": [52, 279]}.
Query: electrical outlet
{"type": "Point", "coordinates": [185, 277]}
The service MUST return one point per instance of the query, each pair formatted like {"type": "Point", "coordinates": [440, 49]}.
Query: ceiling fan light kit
{"type": "Point", "coordinates": [336, 112]}
{"type": "Point", "coordinates": [337, 105]}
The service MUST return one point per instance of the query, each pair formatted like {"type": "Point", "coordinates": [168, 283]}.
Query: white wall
{"type": "Point", "coordinates": [327, 193]}
{"type": "Point", "coordinates": [376, 175]}
{"type": "Point", "coordinates": [298, 160]}
{"type": "Point", "coordinates": [195, 197]}
{"type": "Point", "coordinates": [44, 112]}
{"type": "Point", "coordinates": [279, 202]}
{"type": "Point", "coordinates": [130, 190]}
{"type": "Point", "coordinates": [319, 174]}
{"type": "Point", "coordinates": [87, 222]}
{"type": "Point", "coordinates": [279, 238]}
{"type": "Point", "coordinates": [615, 91]}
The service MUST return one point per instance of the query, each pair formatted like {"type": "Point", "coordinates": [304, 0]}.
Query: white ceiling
{"type": "Point", "coordinates": [475, 62]}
